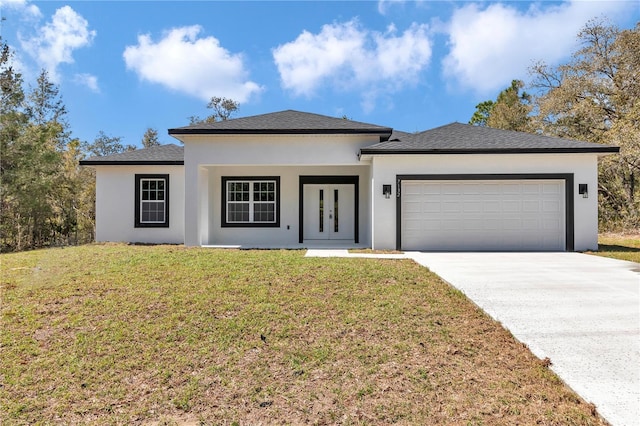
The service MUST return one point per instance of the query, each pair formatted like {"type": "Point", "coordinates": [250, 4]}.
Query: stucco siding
{"type": "Point", "coordinates": [115, 205]}
{"type": "Point", "coordinates": [275, 150]}
{"type": "Point", "coordinates": [582, 166]}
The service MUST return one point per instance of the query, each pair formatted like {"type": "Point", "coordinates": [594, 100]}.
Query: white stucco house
{"type": "Point", "coordinates": [296, 179]}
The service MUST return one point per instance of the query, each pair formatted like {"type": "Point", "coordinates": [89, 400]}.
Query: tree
{"type": "Point", "coordinates": [595, 97]}
{"type": "Point", "coordinates": [45, 197]}
{"type": "Point", "coordinates": [13, 121]}
{"type": "Point", "coordinates": [150, 138]}
{"type": "Point", "coordinates": [74, 205]}
{"type": "Point", "coordinates": [223, 109]}
{"type": "Point", "coordinates": [41, 147]}
{"type": "Point", "coordinates": [510, 111]}
{"type": "Point", "coordinates": [34, 137]}
{"type": "Point", "coordinates": [104, 145]}
{"type": "Point", "coordinates": [481, 115]}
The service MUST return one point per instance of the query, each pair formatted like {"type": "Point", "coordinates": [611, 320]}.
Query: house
{"type": "Point", "coordinates": [296, 179]}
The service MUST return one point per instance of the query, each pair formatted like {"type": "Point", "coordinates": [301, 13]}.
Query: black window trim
{"type": "Point", "coordinates": [138, 222]}
{"type": "Point", "coordinates": [223, 218]}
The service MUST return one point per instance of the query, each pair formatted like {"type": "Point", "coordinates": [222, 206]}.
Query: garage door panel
{"type": "Point", "coordinates": [450, 224]}
{"type": "Point", "coordinates": [491, 224]}
{"type": "Point", "coordinates": [414, 207]}
{"type": "Point", "coordinates": [511, 206]}
{"type": "Point", "coordinates": [550, 189]}
{"type": "Point", "coordinates": [511, 189]}
{"type": "Point", "coordinates": [491, 206]}
{"type": "Point", "coordinates": [451, 207]}
{"type": "Point", "coordinates": [472, 206]}
{"type": "Point", "coordinates": [483, 215]}
{"type": "Point", "coordinates": [512, 224]}
{"type": "Point", "coordinates": [551, 206]}
{"type": "Point", "coordinates": [531, 223]}
{"type": "Point", "coordinates": [531, 206]}
{"type": "Point", "coordinates": [473, 224]}
{"type": "Point", "coordinates": [487, 189]}
{"type": "Point", "coordinates": [431, 206]}
{"type": "Point", "coordinates": [551, 224]}
{"type": "Point", "coordinates": [472, 189]}
{"type": "Point", "coordinates": [451, 189]}
{"type": "Point", "coordinates": [431, 225]}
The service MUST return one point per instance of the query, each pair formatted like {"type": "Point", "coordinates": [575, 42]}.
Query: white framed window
{"type": "Point", "coordinates": [251, 201]}
{"type": "Point", "coordinates": [152, 201]}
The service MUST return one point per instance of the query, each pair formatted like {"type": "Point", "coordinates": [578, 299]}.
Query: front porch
{"type": "Point", "coordinates": [303, 207]}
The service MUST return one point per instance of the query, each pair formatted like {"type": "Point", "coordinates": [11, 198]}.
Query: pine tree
{"type": "Point", "coordinates": [510, 111]}
{"type": "Point", "coordinates": [12, 124]}
{"type": "Point", "coordinates": [150, 138]}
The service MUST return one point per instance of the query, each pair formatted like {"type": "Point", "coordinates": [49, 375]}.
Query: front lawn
{"type": "Point", "coordinates": [619, 246]}
{"type": "Point", "coordinates": [116, 334]}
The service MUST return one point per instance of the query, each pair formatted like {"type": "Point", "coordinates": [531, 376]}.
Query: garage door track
{"type": "Point", "coordinates": [581, 311]}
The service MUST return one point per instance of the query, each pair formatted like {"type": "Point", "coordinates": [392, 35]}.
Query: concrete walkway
{"type": "Point", "coordinates": [581, 311]}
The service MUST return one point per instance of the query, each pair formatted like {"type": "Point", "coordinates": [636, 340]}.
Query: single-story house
{"type": "Point", "coordinates": [296, 179]}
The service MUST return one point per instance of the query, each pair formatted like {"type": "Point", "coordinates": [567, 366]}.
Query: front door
{"type": "Point", "coordinates": [329, 212]}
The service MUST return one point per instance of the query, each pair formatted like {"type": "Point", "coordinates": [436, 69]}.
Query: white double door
{"type": "Point", "coordinates": [329, 212]}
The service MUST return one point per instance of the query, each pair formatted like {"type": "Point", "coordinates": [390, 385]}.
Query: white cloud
{"type": "Point", "coordinates": [350, 57]}
{"type": "Point", "coordinates": [28, 11]}
{"type": "Point", "coordinates": [183, 62]}
{"type": "Point", "coordinates": [384, 5]}
{"type": "Point", "coordinates": [91, 81]}
{"type": "Point", "coordinates": [491, 46]}
{"type": "Point", "coordinates": [55, 41]}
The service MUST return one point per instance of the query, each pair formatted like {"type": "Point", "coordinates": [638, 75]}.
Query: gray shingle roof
{"type": "Point", "coordinates": [457, 138]}
{"type": "Point", "coordinates": [157, 155]}
{"type": "Point", "coordinates": [454, 138]}
{"type": "Point", "coordinates": [285, 122]}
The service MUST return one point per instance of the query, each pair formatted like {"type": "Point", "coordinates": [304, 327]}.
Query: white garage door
{"type": "Point", "coordinates": [485, 215]}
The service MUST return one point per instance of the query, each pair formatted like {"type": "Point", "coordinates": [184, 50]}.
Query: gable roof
{"type": "Point", "coordinates": [458, 138]}
{"type": "Point", "coordinates": [284, 122]}
{"type": "Point", "coordinates": [170, 154]}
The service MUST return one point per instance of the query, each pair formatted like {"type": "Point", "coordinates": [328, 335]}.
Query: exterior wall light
{"type": "Point", "coordinates": [583, 190]}
{"type": "Point", "coordinates": [386, 191]}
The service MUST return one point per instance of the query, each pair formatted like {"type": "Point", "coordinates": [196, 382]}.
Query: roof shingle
{"type": "Point", "coordinates": [457, 138]}
{"type": "Point", "coordinates": [284, 122]}
{"type": "Point", "coordinates": [169, 154]}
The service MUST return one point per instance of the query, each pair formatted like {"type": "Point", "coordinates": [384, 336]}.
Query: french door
{"type": "Point", "coordinates": [329, 212]}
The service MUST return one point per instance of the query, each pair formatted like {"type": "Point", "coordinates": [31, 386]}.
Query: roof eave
{"type": "Point", "coordinates": [131, 163]}
{"type": "Point", "coordinates": [179, 131]}
{"type": "Point", "coordinates": [603, 150]}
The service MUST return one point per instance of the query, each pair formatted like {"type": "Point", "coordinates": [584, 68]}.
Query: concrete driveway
{"type": "Point", "coordinates": [581, 311]}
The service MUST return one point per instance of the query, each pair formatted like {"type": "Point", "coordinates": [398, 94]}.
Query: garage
{"type": "Point", "coordinates": [484, 214]}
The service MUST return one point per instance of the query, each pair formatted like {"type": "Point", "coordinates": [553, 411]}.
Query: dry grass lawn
{"type": "Point", "coordinates": [619, 246]}
{"type": "Point", "coordinates": [116, 334]}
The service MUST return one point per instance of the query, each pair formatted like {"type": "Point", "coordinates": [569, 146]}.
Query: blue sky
{"type": "Point", "coordinates": [124, 66]}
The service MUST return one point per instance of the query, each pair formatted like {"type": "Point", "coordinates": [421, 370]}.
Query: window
{"type": "Point", "coordinates": [152, 201]}
{"type": "Point", "coordinates": [251, 201]}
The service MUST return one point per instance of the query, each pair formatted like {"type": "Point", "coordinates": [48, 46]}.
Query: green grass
{"type": "Point", "coordinates": [115, 334]}
{"type": "Point", "coordinates": [619, 246]}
